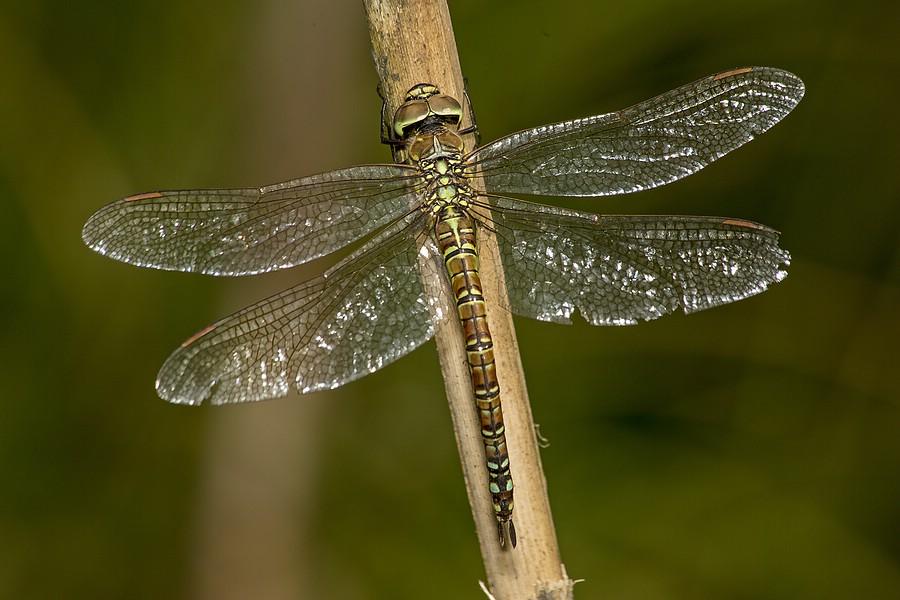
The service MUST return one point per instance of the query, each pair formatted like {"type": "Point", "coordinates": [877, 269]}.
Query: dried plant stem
{"type": "Point", "coordinates": [413, 43]}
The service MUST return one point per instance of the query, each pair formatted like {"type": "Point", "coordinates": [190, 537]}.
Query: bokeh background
{"type": "Point", "coordinates": [752, 451]}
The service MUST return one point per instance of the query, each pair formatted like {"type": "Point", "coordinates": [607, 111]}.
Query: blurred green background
{"type": "Point", "coordinates": [752, 451]}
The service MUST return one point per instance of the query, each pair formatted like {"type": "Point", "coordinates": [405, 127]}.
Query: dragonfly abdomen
{"type": "Point", "coordinates": [455, 232]}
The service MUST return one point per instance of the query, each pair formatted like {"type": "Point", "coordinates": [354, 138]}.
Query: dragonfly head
{"type": "Point", "coordinates": [425, 105]}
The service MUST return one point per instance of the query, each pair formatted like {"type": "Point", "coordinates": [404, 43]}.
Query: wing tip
{"type": "Point", "coordinates": [768, 74]}
{"type": "Point", "coordinates": [174, 393]}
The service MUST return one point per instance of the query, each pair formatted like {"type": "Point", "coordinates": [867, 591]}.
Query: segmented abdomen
{"type": "Point", "coordinates": [455, 231]}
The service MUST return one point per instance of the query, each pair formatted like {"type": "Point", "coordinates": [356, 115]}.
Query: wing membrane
{"type": "Point", "coordinates": [621, 269]}
{"type": "Point", "coordinates": [359, 316]}
{"type": "Point", "coordinates": [650, 144]}
{"type": "Point", "coordinates": [252, 230]}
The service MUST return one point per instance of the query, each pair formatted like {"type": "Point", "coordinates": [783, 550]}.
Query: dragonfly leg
{"type": "Point", "coordinates": [473, 128]}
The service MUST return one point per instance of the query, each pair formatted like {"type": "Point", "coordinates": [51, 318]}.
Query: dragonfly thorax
{"type": "Point", "coordinates": [445, 182]}
{"type": "Point", "coordinates": [434, 144]}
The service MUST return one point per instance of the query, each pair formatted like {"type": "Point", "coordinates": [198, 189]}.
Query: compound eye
{"type": "Point", "coordinates": [446, 107]}
{"type": "Point", "coordinates": [410, 113]}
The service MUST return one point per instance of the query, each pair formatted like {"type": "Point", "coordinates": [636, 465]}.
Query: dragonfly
{"type": "Point", "coordinates": [372, 307]}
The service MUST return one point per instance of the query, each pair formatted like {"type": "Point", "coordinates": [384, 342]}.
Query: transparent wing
{"type": "Point", "coordinates": [621, 269]}
{"type": "Point", "coordinates": [252, 230]}
{"type": "Point", "coordinates": [650, 144]}
{"type": "Point", "coordinates": [359, 316]}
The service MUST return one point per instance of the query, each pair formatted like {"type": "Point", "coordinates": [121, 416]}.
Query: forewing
{"type": "Point", "coordinates": [650, 144]}
{"type": "Point", "coordinates": [359, 316]}
{"type": "Point", "coordinates": [252, 230]}
{"type": "Point", "coordinates": [620, 269]}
